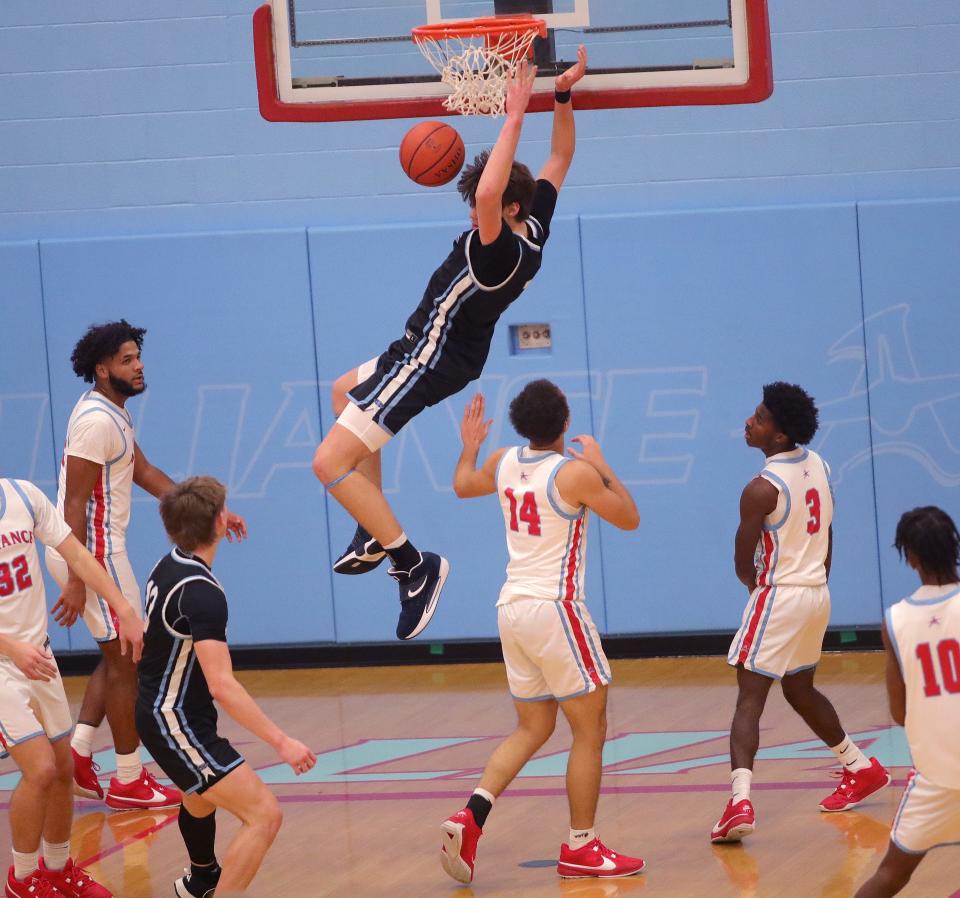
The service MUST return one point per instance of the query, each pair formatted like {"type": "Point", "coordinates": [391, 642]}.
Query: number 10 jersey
{"type": "Point", "coordinates": [546, 537]}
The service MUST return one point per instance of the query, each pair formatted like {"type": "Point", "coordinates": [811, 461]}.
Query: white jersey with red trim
{"type": "Point", "coordinates": [793, 546]}
{"type": "Point", "coordinates": [102, 432]}
{"type": "Point", "coordinates": [546, 537]}
{"type": "Point", "coordinates": [26, 514]}
{"type": "Point", "coordinates": [924, 630]}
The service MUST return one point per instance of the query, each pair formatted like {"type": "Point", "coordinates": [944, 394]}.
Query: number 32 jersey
{"type": "Point", "coordinates": [793, 546]}
{"type": "Point", "coordinates": [546, 537]}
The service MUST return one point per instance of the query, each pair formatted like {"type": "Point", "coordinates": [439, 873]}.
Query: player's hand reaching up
{"type": "Point", "coordinates": [474, 428]}
{"type": "Point", "coordinates": [566, 80]}
{"type": "Point", "coordinates": [520, 87]}
{"type": "Point", "coordinates": [589, 451]}
{"type": "Point", "coordinates": [236, 527]}
{"type": "Point", "coordinates": [296, 754]}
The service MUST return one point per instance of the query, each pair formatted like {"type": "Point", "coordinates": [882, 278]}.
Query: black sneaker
{"type": "Point", "coordinates": [193, 887]}
{"type": "Point", "coordinates": [363, 554]}
{"type": "Point", "coordinates": [419, 592]}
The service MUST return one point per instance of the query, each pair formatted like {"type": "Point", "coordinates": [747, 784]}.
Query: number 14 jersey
{"type": "Point", "coordinates": [546, 537]}
{"type": "Point", "coordinates": [793, 546]}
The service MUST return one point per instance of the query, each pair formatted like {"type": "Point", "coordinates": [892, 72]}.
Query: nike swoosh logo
{"type": "Point", "coordinates": [413, 593]}
{"type": "Point", "coordinates": [157, 796]}
{"type": "Point", "coordinates": [606, 865]}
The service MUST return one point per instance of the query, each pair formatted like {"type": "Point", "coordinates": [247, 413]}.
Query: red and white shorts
{"type": "Point", "coordinates": [782, 630]}
{"type": "Point", "coordinates": [928, 817]}
{"type": "Point", "coordinates": [96, 613]}
{"type": "Point", "coordinates": [30, 708]}
{"type": "Point", "coordinates": [551, 650]}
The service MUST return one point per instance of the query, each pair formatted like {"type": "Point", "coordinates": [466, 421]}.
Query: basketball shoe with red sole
{"type": "Point", "coordinates": [856, 787]}
{"type": "Point", "coordinates": [31, 887]}
{"type": "Point", "coordinates": [738, 820]}
{"type": "Point", "coordinates": [595, 860]}
{"type": "Point", "coordinates": [459, 835]}
{"type": "Point", "coordinates": [85, 782]}
{"type": "Point", "coordinates": [142, 793]}
{"type": "Point", "coordinates": [73, 882]}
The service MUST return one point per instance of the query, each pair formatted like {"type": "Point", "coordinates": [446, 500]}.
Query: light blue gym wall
{"type": "Point", "coordinates": [697, 254]}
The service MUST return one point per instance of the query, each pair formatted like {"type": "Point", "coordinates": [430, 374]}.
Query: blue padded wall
{"type": "Point", "coordinates": [26, 441]}
{"type": "Point", "coordinates": [911, 269]}
{"type": "Point", "coordinates": [362, 303]}
{"type": "Point", "coordinates": [232, 392]}
{"type": "Point", "coordinates": [688, 315]}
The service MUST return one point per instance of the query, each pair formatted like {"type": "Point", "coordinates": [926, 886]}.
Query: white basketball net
{"type": "Point", "coordinates": [476, 67]}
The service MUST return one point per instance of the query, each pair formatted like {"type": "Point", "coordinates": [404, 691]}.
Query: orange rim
{"type": "Point", "coordinates": [487, 26]}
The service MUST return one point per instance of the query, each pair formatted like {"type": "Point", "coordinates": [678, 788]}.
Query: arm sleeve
{"type": "Point", "coordinates": [541, 212]}
{"type": "Point", "coordinates": [95, 437]}
{"type": "Point", "coordinates": [493, 264]}
{"type": "Point", "coordinates": [205, 608]}
{"type": "Point", "coordinates": [48, 524]}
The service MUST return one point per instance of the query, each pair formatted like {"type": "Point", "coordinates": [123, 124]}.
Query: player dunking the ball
{"type": "Point", "coordinates": [551, 647]}
{"type": "Point", "coordinates": [782, 555]}
{"type": "Point", "coordinates": [921, 634]}
{"type": "Point", "coordinates": [446, 341]}
{"type": "Point", "coordinates": [35, 717]}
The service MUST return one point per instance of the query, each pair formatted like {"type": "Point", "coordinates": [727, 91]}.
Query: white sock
{"type": "Point", "coordinates": [82, 740]}
{"type": "Point", "coordinates": [129, 767]}
{"type": "Point", "coordinates": [850, 755]}
{"type": "Point", "coordinates": [483, 793]}
{"type": "Point", "coordinates": [25, 863]}
{"type": "Point", "coordinates": [581, 837]}
{"type": "Point", "coordinates": [399, 541]}
{"type": "Point", "coordinates": [740, 780]}
{"type": "Point", "coordinates": [55, 856]}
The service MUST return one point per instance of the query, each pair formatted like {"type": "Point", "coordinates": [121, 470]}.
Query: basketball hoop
{"type": "Point", "coordinates": [475, 58]}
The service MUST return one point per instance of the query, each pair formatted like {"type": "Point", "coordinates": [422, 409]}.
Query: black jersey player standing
{"type": "Point", "coordinates": [446, 341]}
{"type": "Point", "coordinates": [185, 666]}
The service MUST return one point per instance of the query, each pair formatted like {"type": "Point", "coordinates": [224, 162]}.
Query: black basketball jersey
{"type": "Point", "coordinates": [185, 604]}
{"type": "Point", "coordinates": [451, 330]}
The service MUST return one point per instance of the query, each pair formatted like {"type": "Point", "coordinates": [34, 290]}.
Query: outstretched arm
{"type": "Point", "coordinates": [469, 481]}
{"type": "Point", "coordinates": [496, 173]}
{"type": "Point", "coordinates": [595, 485]}
{"type": "Point", "coordinates": [758, 499]}
{"type": "Point", "coordinates": [564, 140]}
{"type": "Point", "coordinates": [214, 658]}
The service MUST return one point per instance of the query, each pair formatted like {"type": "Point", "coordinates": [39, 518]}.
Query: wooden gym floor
{"type": "Point", "coordinates": [400, 749]}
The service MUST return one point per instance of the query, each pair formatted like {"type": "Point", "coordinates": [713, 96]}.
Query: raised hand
{"type": "Point", "coordinates": [566, 80]}
{"type": "Point", "coordinates": [589, 450]}
{"type": "Point", "coordinates": [473, 428]}
{"type": "Point", "coordinates": [236, 527]}
{"type": "Point", "coordinates": [520, 87]}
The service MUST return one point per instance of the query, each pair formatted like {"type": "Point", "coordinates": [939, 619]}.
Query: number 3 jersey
{"type": "Point", "coordinates": [26, 514]}
{"type": "Point", "coordinates": [546, 537]}
{"type": "Point", "coordinates": [793, 546]}
{"type": "Point", "coordinates": [924, 630]}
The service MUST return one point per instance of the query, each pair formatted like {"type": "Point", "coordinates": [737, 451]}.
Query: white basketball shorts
{"type": "Point", "coordinates": [97, 614]}
{"type": "Point", "coordinates": [782, 630]}
{"type": "Point", "coordinates": [551, 650]}
{"type": "Point", "coordinates": [928, 816]}
{"type": "Point", "coordinates": [30, 708]}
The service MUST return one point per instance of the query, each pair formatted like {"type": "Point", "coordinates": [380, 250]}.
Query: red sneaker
{"type": "Point", "coordinates": [595, 859]}
{"type": "Point", "coordinates": [459, 835]}
{"type": "Point", "coordinates": [856, 787]}
{"type": "Point", "coordinates": [85, 782]}
{"type": "Point", "coordinates": [31, 887]}
{"type": "Point", "coordinates": [144, 792]}
{"type": "Point", "coordinates": [73, 882]}
{"type": "Point", "coordinates": [736, 822]}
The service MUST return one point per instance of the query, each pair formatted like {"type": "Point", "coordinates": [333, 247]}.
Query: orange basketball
{"type": "Point", "coordinates": [431, 153]}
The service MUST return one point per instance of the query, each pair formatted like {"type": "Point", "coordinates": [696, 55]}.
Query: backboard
{"type": "Point", "coordinates": [330, 60]}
